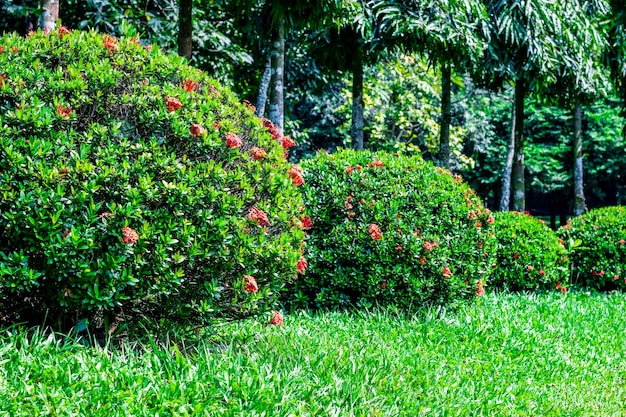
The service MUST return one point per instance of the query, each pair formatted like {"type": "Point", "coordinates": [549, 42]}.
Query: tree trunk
{"type": "Point", "coordinates": [185, 28]}
{"type": "Point", "coordinates": [263, 87]}
{"type": "Point", "coordinates": [505, 197]}
{"type": "Point", "coordinates": [517, 174]}
{"type": "Point", "coordinates": [358, 120]}
{"type": "Point", "coordinates": [444, 131]}
{"type": "Point", "coordinates": [277, 101]}
{"type": "Point", "coordinates": [49, 15]}
{"type": "Point", "coordinates": [579, 194]}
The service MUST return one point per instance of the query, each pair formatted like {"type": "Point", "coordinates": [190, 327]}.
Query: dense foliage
{"type": "Point", "coordinates": [598, 240]}
{"type": "Point", "coordinates": [132, 184]}
{"type": "Point", "coordinates": [391, 229]}
{"type": "Point", "coordinates": [529, 254]}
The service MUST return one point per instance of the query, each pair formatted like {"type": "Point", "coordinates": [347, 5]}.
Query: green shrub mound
{"type": "Point", "coordinates": [529, 254]}
{"type": "Point", "coordinates": [598, 241]}
{"type": "Point", "coordinates": [132, 184]}
{"type": "Point", "coordinates": [390, 230]}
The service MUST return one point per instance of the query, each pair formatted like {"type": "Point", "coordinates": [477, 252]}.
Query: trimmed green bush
{"type": "Point", "coordinates": [530, 255]}
{"type": "Point", "coordinates": [390, 230]}
{"type": "Point", "coordinates": [133, 185]}
{"type": "Point", "coordinates": [598, 242]}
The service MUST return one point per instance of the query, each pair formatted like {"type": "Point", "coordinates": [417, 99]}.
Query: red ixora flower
{"type": "Point", "coordinates": [296, 175]}
{"type": "Point", "coordinates": [258, 153]}
{"type": "Point", "coordinates": [621, 242]}
{"type": "Point", "coordinates": [376, 163]}
{"type": "Point", "coordinates": [62, 31]}
{"type": "Point", "coordinates": [307, 223]}
{"type": "Point", "coordinates": [189, 85]}
{"type": "Point", "coordinates": [233, 140]}
{"type": "Point", "coordinates": [430, 245]}
{"type": "Point", "coordinates": [542, 272]}
{"type": "Point", "coordinates": [259, 216]}
{"type": "Point", "coordinates": [250, 284]}
{"type": "Point", "coordinates": [172, 103]}
{"type": "Point", "coordinates": [277, 318]}
{"type": "Point", "coordinates": [374, 231]}
{"type": "Point", "coordinates": [480, 289]}
{"type": "Point", "coordinates": [302, 265]}
{"type": "Point", "coordinates": [110, 43]}
{"type": "Point", "coordinates": [197, 130]}
{"type": "Point", "coordinates": [399, 248]}
{"type": "Point", "coordinates": [286, 142]}
{"type": "Point", "coordinates": [129, 235]}
{"type": "Point", "coordinates": [64, 112]}
{"type": "Point", "coordinates": [530, 267]}
{"type": "Point", "coordinates": [491, 220]}
{"type": "Point", "coordinates": [446, 272]}
{"type": "Point", "coordinates": [349, 169]}
{"type": "Point", "coordinates": [270, 127]}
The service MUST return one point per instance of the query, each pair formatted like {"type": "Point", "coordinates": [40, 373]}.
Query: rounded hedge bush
{"type": "Point", "coordinates": [132, 184]}
{"type": "Point", "coordinates": [390, 230]}
{"type": "Point", "coordinates": [530, 255]}
{"type": "Point", "coordinates": [598, 242]}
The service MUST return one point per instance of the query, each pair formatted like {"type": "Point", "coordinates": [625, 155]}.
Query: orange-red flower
{"type": "Point", "coordinates": [383, 285]}
{"type": "Point", "coordinates": [349, 169]}
{"type": "Point", "coordinates": [542, 272]}
{"type": "Point", "coordinates": [347, 203]}
{"type": "Point", "coordinates": [472, 215]}
{"type": "Point", "coordinates": [446, 272]}
{"type": "Point", "coordinates": [110, 43]}
{"type": "Point", "coordinates": [621, 242]}
{"type": "Point", "coordinates": [307, 223]}
{"type": "Point", "coordinates": [62, 31]}
{"type": "Point", "coordinates": [480, 289]}
{"type": "Point", "coordinates": [287, 142]}
{"type": "Point", "coordinates": [197, 130]}
{"type": "Point", "coordinates": [296, 175]}
{"type": "Point", "coordinates": [374, 231]}
{"type": "Point", "coordinates": [270, 127]}
{"type": "Point", "coordinates": [491, 220]}
{"type": "Point", "coordinates": [217, 124]}
{"type": "Point", "coordinates": [302, 265]}
{"type": "Point", "coordinates": [277, 318]}
{"type": "Point", "coordinates": [399, 248]}
{"type": "Point", "coordinates": [173, 103]}
{"type": "Point", "coordinates": [422, 260]}
{"type": "Point", "coordinates": [258, 153]}
{"type": "Point", "coordinates": [129, 235]}
{"type": "Point", "coordinates": [376, 164]}
{"type": "Point", "coordinates": [530, 267]}
{"type": "Point", "coordinates": [233, 140]}
{"type": "Point", "coordinates": [259, 216]}
{"type": "Point", "coordinates": [63, 111]}
{"type": "Point", "coordinates": [430, 245]}
{"type": "Point", "coordinates": [189, 85]}
{"type": "Point", "coordinates": [250, 284]}
{"type": "Point", "coordinates": [478, 224]}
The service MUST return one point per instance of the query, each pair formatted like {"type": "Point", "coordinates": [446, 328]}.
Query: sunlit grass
{"type": "Point", "coordinates": [507, 355]}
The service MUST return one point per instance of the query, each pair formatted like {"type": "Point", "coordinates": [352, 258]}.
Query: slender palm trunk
{"type": "Point", "coordinates": [185, 28]}
{"type": "Point", "coordinates": [446, 117]}
{"type": "Point", "coordinates": [358, 119]}
{"type": "Point", "coordinates": [50, 14]}
{"type": "Point", "coordinates": [505, 198]}
{"type": "Point", "coordinates": [263, 87]}
{"type": "Point", "coordinates": [277, 101]}
{"type": "Point", "coordinates": [517, 174]}
{"type": "Point", "coordinates": [579, 194]}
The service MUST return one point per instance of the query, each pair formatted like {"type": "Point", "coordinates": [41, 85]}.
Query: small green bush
{"type": "Point", "coordinates": [530, 255]}
{"type": "Point", "coordinates": [133, 185]}
{"type": "Point", "coordinates": [598, 242]}
{"type": "Point", "coordinates": [390, 230]}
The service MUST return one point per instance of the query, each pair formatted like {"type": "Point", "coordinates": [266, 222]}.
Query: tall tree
{"type": "Point", "coordinates": [49, 14]}
{"type": "Point", "coordinates": [185, 28]}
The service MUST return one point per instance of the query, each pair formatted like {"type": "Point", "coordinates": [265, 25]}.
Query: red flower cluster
{"type": "Point", "coordinates": [259, 216]}
{"type": "Point", "coordinates": [2, 50]}
{"type": "Point", "coordinates": [374, 231]}
{"type": "Point", "coordinates": [472, 215]}
{"type": "Point", "coordinates": [302, 265]}
{"type": "Point", "coordinates": [480, 289]}
{"type": "Point", "coordinates": [286, 142]}
{"type": "Point", "coordinates": [233, 140]}
{"type": "Point", "coordinates": [250, 284]}
{"type": "Point", "coordinates": [446, 272]}
{"type": "Point", "coordinates": [173, 103]}
{"type": "Point", "coordinates": [277, 318]}
{"type": "Point", "coordinates": [129, 235]}
{"type": "Point", "coordinates": [189, 85]}
{"type": "Point", "coordinates": [621, 242]}
{"type": "Point", "coordinates": [491, 220]}
{"type": "Point", "coordinates": [296, 175]}
{"type": "Point", "coordinates": [197, 130]}
{"type": "Point", "coordinates": [258, 153]}
{"type": "Point", "coordinates": [563, 288]}
{"type": "Point", "coordinates": [430, 245]}
{"type": "Point", "coordinates": [399, 248]}
{"type": "Point", "coordinates": [304, 223]}
{"type": "Point", "coordinates": [110, 43]}
{"type": "Point", "coordinates": [62, 31]}
{"type": "Point", "coordinates": [595, 273]}
{"type": "Point", "coordinates": [422, 260]}
{"type": "Point", "coordinates": [270, 127]}
{"type": "Point", "coordinates": [376, 164]}
{"type": "Point", "coordinates": [347, 203]}
{"type": "Point", "coordinates": [478, 224]}
{"type": "Point", "coordinates": [64, 112]}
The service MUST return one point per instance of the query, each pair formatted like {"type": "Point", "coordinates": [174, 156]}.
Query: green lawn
{"type": "Point", "coordinates": [506, 355]}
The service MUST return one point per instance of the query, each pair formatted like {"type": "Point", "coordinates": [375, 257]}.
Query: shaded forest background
{"type": "Point", "coordinates": [523, 98]}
